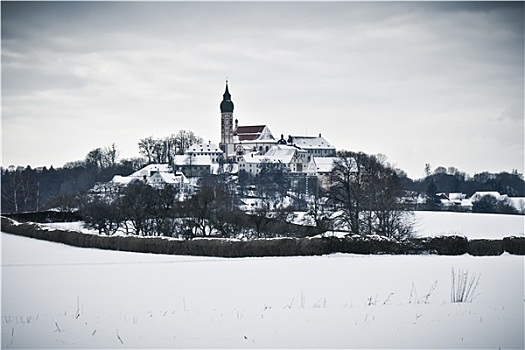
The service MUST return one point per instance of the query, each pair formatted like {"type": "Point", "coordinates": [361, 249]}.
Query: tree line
{"type": "Point", "coordinates": [25, 189]}
{"type": "Point", "coordinates": [451, 180]}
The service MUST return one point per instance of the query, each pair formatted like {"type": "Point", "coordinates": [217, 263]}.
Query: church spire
{"type": "Point", "coordinates": [226, 104]}
{"type": "Point", "coordinates": [227, 122]}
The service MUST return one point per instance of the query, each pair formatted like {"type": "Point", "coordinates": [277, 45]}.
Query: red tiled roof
{"type": "Point", "coordinates": [252, 129]}
{"type": "Point", "coordinates": [249, 133]}
{"type": "Point", "coordinates": [248, 137]}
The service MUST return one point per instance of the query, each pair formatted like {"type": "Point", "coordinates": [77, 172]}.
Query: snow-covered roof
{"type": "Point", "coordinates": [456, 196]}
{"type": "Point", "coordinates": [310, 142]}
{"type": "Point", "coordinates": [276, 154]}
{"type": "Point", "coordinates": [204, 147]}
{"type": "Point", "coordinates": [124, 180]}
{"type": "Point", "coordinates": [478, 195]}
{"type": "Point", "coordinates": [256, 159]}
{"type": "Point", "coordinates": [283, 153]}
{"type": "Point", "coordinates": [463, 202]}
{"type": "Point", "coordinates": [148, 169]}
{"type": "Point", "coordinates": [153, 174]}
{"type": "Point", "coordinates": [324, 164]}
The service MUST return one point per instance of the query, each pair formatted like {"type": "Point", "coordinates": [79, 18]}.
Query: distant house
{"type": "Point", "coordinates": [192, 165]}
{"type": "Point", "coordinates": [315, 146]}
{"type": "Point", "coordinates": [455, 201]}
{"type": "Point", "coordinates": [517, 203]}
{"type": "Point", "coordinates": [206, 149]}
{"type": "Point", "coordinates": [160, 179]}
{"type": "Point", "coordinates": [156, 175]}
{"type": "Point", "coordinates": [253, 163]}
{"type": "Point", "coordinates": [142, 174]}
{"type": "Point", "coordinates": [460, 201]}
{"type": "Point", "coordinates": [282, 156]}
{"type": "Point", "coordinates": [321, 165]}
{"type": "Point", "coordinates": [292, 157]}
{"type": "Point", "coordinates": [478, 195]}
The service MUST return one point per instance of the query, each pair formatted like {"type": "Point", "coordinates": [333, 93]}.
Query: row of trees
{"type": "Point", "coordinates": [28, 190]}
{"type": "Point", "coordinates": [452, 180]}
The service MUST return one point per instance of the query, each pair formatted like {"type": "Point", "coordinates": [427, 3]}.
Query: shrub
{"type": "Point", "coordinates": [452, 245]}
{"type": "Point", "coordinates": [514, 245]}
{"type": "Point", "coordinates": [447, 245]}
{"type": "Point", "coordinates": [484, 247]}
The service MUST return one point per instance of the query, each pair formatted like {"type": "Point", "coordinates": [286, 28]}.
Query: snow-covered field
{"type": "Point", "coordinates": [470, 225]}
{"type": "Point", "coordinates": [56, 296]}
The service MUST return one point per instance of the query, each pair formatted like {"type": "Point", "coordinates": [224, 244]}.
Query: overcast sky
{"type": "Point", "coordinates": [438, 83]}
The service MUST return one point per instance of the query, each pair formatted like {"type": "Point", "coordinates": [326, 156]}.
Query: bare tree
{"type": "Point", "coordinates": [161, 150]}
{"type": "Point", "coordinates": [146, 148]}
{"type": "Point", "coordinates": [183, 139]}
{"type": "Point", "coordinates": [347, 188]}
{"type": "Point", "coordinates": [101, 213]}
{"type": "Point", "coordinates": [202, 206]}
{"type": "Point", "coordinates": [19, 189]}
{"type": "Point", "coordinates": [273, 180]}
{"type": "Point", "coordinates": [164, 211]}
{"type": "Point", "coordinates": [110, 156]}
{"type": "Point", "coordinates": [261, 217]}
{"type": "Point", "coordinates": [318, 211]}
{"type": "Point", "coordinates": [137, 205]}
{"type": "Point", "coordinates": [392, 217]}
{"type": "Point", "coordinates": [64, 203]}
{"type": "Point", "coordinates": [102, 158]}
{"type": "Point", "coordinates": [366, 192]}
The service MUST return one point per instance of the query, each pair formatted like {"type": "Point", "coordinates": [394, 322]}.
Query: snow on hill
{"type": "Point", "coordinates": [56, 296]}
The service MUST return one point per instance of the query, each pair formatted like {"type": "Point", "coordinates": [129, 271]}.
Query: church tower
{"type": "Point", "coordinates": [226, 106]}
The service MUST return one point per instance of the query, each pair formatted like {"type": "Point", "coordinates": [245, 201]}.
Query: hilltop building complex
{"type": "Point", "coordinates": [242, 148]}
{"type": "Point", "coordinates": [251, 146]}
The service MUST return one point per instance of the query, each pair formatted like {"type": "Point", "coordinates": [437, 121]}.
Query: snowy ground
{"type": "Point", "coordinates": [56, 296]}
{"type": "Point", "coordinates": [470, 225]}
